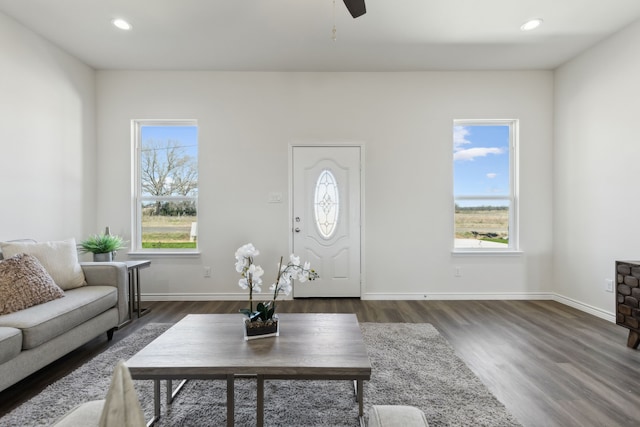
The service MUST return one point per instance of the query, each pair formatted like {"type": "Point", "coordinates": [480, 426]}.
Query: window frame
{"type": "Point", "coordinates": [513, 196]}
{"type": "Point", "coordinates": [136, 189]}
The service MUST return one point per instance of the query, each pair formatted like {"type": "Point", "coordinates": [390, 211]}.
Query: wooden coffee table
{"type": "Point", "coordinates": [211, 346]}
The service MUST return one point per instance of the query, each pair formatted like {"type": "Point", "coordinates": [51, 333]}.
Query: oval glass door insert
{"type": "Point", "coordinates": [326, 203]}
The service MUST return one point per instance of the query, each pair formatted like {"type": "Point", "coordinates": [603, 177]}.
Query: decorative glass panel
{"type": "Point", "coordinates": [326, 203]}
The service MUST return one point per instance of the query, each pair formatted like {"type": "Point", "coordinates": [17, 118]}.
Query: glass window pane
{"type": "Point", "coordinates": [481, 160]}
{"type": "Point", "coordinates": [481, 223]}
{"type": "Point", "coordinates": [169, 160]}
{"type": "Point", "coordinates": [169, 225]}
{"type": "Point", "coordinates": [166, 185]}
{"type": "Point", "coordinates": [326, 202]}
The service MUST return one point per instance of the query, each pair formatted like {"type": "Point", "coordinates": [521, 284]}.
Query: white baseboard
{"type": "Point", "coordinates": [461, 296]}
{"type": "Point", "coordinates": [381, 296]}
{"type": "Point", "coordinates": [598, 312]}
{"type": "Point", "coordinates": [198, 297]}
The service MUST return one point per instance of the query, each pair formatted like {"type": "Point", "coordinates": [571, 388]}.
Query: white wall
{"type": "Point", "coordinates": [47, 139]}
{"type": "Point", "coordinates": [247, 121]}
{"type": "Point", "coordinates": [596, 203]}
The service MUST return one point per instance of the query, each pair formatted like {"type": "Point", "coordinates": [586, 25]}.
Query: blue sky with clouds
{"type": "Point", "coordinates": [481, 160]}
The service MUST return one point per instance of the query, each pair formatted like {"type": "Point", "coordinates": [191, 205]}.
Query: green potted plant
{"type": "Point", "coordinates": [102, 246]}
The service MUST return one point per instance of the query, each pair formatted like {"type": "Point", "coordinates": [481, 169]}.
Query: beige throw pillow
{"type": "Point", "coordinates": [24, 282]}
{"type": "Point", "coordinates": [59, 258]}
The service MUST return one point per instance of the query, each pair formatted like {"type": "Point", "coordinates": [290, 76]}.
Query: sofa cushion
{"type": "Point", "coordinates": [10, 343]}
{"type": "Point", "coordinates": [396, 416]}
{"type": "Point", "coordinates": [84, 415]}
{"type": "Point", "coordinates": [59, 258]}
{"type": "Point", "coordinates": [23, 283]}
{"type": "Point", "coordinates": [43, 322]}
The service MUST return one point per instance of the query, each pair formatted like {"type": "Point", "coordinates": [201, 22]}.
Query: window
{"type": "Point", "coordinates": [165, 208]}
{"type": "Point", "coordinates": [484, 185]}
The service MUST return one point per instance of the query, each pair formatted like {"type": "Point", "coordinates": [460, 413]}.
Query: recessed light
{"type": "Point", "coordinates": [531, 24]}
{"type": "Point", "coordinates": [121, 23]}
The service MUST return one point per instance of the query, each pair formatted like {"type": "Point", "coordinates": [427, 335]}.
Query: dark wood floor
{"type": "Point", "coordinates": [551, 365]}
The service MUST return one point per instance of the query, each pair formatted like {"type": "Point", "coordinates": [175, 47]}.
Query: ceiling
{"type": "Point", "coordinates": [296, 35]}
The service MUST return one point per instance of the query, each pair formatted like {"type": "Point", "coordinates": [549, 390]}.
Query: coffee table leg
{"type": "Point", "coordinates": [359, 384]}
{"type": "Point", "coordinates": [230, 401]}
{"type": "Point", "coordinates": [171, 393]}
{"type": "Point", "coordinates": [156, 403]}
{"type": "Point", "coordinates": [360, 397]}
{"type": "Point", "coordinates": [260, 403]}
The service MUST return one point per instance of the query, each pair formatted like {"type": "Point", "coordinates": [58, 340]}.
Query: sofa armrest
{"type": "Point", "coordinates": [110, 274]}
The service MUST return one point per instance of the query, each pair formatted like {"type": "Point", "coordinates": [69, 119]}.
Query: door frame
{"type": "Point", "coordinates": [361, 146]}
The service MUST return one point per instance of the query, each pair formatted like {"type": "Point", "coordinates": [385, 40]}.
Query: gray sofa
{"type": "Point", "coordinates": [32, 338]}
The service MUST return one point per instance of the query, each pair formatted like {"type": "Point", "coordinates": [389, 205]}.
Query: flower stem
{"type": "Point", "coordinates": [250, 283]}
{"type": "Point", "coordinates": [275, 290]}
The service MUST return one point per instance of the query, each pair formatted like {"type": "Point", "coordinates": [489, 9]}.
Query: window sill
{"type": "Point", "coordinates": [161, 254]}
{"type": "Point", "coordinates": [485, 252]}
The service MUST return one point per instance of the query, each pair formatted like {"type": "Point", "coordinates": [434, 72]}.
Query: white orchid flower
{"type": "Point", "coordinates": [241, 264]}
{"type": "Point", "coordinates": [285, 278]}
{"type": "Point", "coordinates": [246, 251]}
{"type": "Point", "coordinates": [256, 272]}
{"type": "Point", "coordinates": [286, 288]}
{"type": "Point", "coordinates": [252, 275]}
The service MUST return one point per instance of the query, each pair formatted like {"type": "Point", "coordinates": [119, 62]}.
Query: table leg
{"type": "Point", "coordinates": [230, 400]}
{"type": "Point", "coordinates": [132, 295]}
{"type": "Point", "coordinates": [360, 398]}
{"type": "Point", "coordinates": [136, 284]}
{"type": "Point", "coordinates": [260, 402]}
{"type": "Point", "coordinates": [359, 384]}
{"type": "Point", "coordinates": [171, 393]}
{"type": "Point", "coordinates": [156, 403]}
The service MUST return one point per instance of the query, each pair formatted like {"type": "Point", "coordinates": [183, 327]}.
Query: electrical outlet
{"type": "Point", "coordinates": [608, 285]}
{"type": "Point", "coordinates": [207, 272]}
{"type": "Point", "coordinates": [274, 197]}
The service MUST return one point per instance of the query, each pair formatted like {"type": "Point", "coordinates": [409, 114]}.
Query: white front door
{"type": "Point", "coordinates": [326, 218]}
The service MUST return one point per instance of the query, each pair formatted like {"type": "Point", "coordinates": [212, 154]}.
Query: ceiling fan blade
{"type": "Point", "coordinates": [356, 7]}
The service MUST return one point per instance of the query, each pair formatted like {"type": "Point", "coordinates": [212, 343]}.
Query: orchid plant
{"type": "Point", "coordinates": [252, 280]}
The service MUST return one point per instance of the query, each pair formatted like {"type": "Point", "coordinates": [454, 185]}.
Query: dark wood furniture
{"type": "Point", "coordinates": [628, 299]}
{"type": "Point", "coordinates": [212, 346]}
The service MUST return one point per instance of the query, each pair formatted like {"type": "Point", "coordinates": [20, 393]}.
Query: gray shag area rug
{"type": "Point", "coordinates": [412, 365]}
